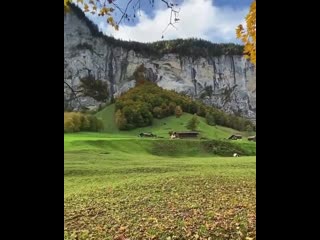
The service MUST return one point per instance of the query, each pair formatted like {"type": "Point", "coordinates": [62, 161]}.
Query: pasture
{"type": "Point", "coordinates": [120, 186]}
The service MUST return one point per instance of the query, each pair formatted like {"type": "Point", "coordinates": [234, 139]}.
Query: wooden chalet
{"type": "Point", "coordinates": [191, 134]}
{"type": "Point", "coordinates": [235, 137]}
{"type": "Point", "coordinates": [252, 138]}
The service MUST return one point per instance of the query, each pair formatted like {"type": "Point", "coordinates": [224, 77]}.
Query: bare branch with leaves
{"type": "Point", "coordinates": [108, 8]}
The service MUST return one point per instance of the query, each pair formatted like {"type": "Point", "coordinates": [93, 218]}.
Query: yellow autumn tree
{"type": "Point", "coordinates": [248, 36]}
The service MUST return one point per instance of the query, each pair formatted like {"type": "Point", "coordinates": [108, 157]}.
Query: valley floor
{"type": "Point", "coordinates": [115, 188]}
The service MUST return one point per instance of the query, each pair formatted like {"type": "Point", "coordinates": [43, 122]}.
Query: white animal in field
{"type": "Point", "coordinates": [236, 155]}
{"type": "Point", "coordinates": [172, 136]}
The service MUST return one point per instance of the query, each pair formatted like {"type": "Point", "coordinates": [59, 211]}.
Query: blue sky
{"type": "Point", "coordinates": [213, 20]}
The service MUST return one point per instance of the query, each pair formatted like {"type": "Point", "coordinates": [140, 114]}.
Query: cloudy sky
{"type": "Point", "coordinates": [213, 20]}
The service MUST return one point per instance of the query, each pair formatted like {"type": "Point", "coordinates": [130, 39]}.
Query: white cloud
{"type": "Point", "coordinates": [199, 18]}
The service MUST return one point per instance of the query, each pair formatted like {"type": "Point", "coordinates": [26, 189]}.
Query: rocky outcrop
{"type": "Point", "coordinates": [227, 82]}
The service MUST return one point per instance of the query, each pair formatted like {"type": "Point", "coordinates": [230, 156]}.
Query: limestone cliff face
{"type": "Point", "coordinates": [227, 82]}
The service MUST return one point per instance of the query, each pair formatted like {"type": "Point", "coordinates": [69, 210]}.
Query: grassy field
{"type": "Point", "coordinates": [117, 187]}
{"type": "Point", "coordinates": [120, 186]}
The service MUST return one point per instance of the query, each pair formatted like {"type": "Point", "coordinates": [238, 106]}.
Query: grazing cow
{"type": "Point", "coordinates": [173, 136]}
{"type": "Point", "coordinates": [236, 155]}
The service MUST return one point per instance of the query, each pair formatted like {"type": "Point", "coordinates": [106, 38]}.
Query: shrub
{"type": "Point", "coordinates": [193, 123]}
{"type": "Point", "coordinates": [76, 122]}
{"type": "Point", "coordinates": [178, 111]}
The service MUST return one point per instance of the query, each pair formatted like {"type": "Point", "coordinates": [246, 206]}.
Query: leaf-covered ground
{"type": "Point", "coordinates": [121, 191]}
{"type": "Point", "coordinates": [174, 208]}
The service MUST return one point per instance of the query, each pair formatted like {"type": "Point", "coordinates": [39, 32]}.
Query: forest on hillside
{"type": "Point", "coordinates": [138, 106]}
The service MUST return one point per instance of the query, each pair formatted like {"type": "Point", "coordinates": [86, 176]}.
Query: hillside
{"type": "Point", "coordinates": [107, 116]}
{"type": "Point", "coordinates": [147, 101]}
{"type": "Point", "coordinates": [161, 127]}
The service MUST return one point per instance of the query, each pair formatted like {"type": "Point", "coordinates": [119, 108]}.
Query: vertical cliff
{"type": "Point", "coordinates": [225, 81]}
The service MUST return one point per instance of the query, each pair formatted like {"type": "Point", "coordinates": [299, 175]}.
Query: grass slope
{"type": "Point", "coordinates": [114, 187]}
{"type": "Point", "coordinates": [104, 142]}
{"type": "Point", "coordinates": [161, 127]}
{"type": "Point", "coordinates": [107, 115]}
{"type": "Point", "coordinates": [120, 186]}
